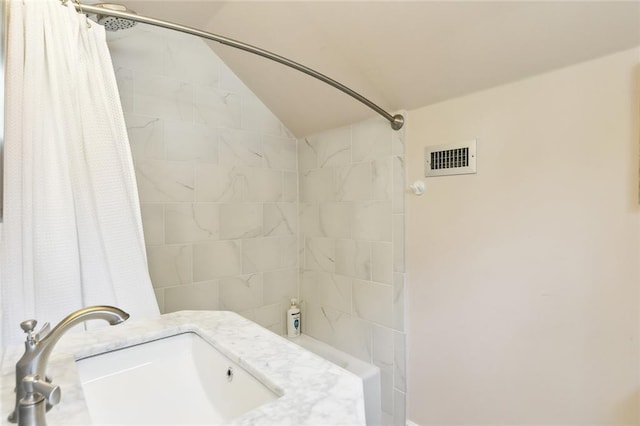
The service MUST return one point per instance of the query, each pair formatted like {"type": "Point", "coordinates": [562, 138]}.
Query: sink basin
{"type": "Point", "coordinates": [178, 380]}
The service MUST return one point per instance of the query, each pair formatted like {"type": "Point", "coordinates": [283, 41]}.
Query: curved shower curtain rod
{"type": "Point", "coordinates": [397, 121]}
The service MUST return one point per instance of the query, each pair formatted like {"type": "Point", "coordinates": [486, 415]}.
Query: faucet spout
{"type": "Point", "coordinates": [110, 314]}
{"type": "Point", "coordinates": [37, 349]}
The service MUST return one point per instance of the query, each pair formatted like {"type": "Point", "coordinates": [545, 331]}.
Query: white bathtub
{"type": "Point", "coordinates": [369, 373]}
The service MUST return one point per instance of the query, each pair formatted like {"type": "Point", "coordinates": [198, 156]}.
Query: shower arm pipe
{"type": "Point", "coordinates": [396, 121]}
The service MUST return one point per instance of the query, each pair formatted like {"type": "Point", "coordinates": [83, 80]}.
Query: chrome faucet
{"type": "Point", "coordinates": [38, 347]}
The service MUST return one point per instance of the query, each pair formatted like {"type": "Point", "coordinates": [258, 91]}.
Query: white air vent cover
{"type": "Point", "coordinates": [452, 159]}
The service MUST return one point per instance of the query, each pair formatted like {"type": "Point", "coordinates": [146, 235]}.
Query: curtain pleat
{"type": "Point", "coordinates": [72, 233]}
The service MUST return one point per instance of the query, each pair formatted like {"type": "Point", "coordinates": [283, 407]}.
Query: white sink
{"type": "Point", "coordinates": [178, 380]}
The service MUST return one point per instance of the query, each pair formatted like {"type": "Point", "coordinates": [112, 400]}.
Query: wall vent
{"type": "Point", "coordinates": [451, 159]}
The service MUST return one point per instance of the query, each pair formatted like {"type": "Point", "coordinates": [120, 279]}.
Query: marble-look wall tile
{"type": "Point", "coordinates": [280, 219]}
{"type": "Point", "coordinates": [341, 330]}
{"type": "Point", "coordinates": [301, 251]}
{"type": "Point", "coordinates": [383, 358]}
{"type": "Point", "coordinates": [152, 223]}
{"type": "Point", "coordinates": [386, 391]}
{"type": "Point", "coordinates": [180, 54]}
{"type": "Point", "coordinates": [398, 243]}
{"type": "Point", "coordinates": [351, 227]}
{"type": "Point", "coordinates": [189, 223]}
{"type": "Point", "coordinates": [218, 183]}
{"type": "Point", "coordinates": [240, 148]}
{"type": "Point", "coordinates": [191, 141]}
{"type": "Point", "coordinates": [288, 247]}
{"type": "Point", "coordinates": [217, 107]}
{"type": "Point", "coordinates": [170, 265]}
{"type": "Point", "coordinates": [382, 262]}
{"type": "Point", "coordinates": [277, 329]}
{"type": "Point", "coordinates": [167, 181]}
{"type": "Point", "coordinates": [398, 301]}
{"type": "Point", "coordinates": [398, 138]}
{"type": "Point", "coordinates": [159, 293]}
{"type": "Point", "coordinates": [399, 362]}
{"type": "Point", "coordinates": [146, 137]}
{"type": "Point", "coordinates": [257, 117]}
{"type": "Point", "coordinates": [240, 221]}
{"type": "Point", "coordinates": [269, 253]}
{"type": "Point", "coordinates": [310, 220]}
{"type": "Point", "coordinates": [199, 296]}
{"type": "Point", "coordinates": [353, 259]}
{"type": "Point", "coordinates": [373, 221]}
{"type": "Point", "coordinates": [280, 286]}
{"type": "Point", "coordinates": [381, 175]}
{"type": "Point", "coordinates": [399, 408]}
{"type": "Point", "coordinates": [216, 259]}
{"type": "Point", "coordinates": [399, 184]}
{"type": "Point", "coordinates": [371, 140]}
{"type": "Point", "coordinates": [229, 81]}
{"type": "Point", "coordinates": [383, 349]}
{"type": "Point", "coordinates": [326, 289]}
{"type": "Point", "coordinates": [217, 177]}
{"type": "Point", "coordinates": [139, 49]}
{"type": "Point", "coordinates": [270, 317]}
{"type": "Point", "coordinates": [163, 97]}
{"type": "Point", "coordinates": [373, 302]}
{"type": "Point", "coordinates": [279, 152]}
{"type": "Point", "coordinates": [353, 335]}
{"type": "Point", "coordinates": [261, 184]}
{"type": "Point", "coordinates": [290, 186]}
{"type": "Point", "coordinates": [334, 148]}
{"type": "Point", "coordinates": [241, 292]}
{"type": "Point", "coordinates": [307, 155]}
{"type": "Point", "coordinates": [124, 80]}
{"type": "Point", "coordinates": [317, 186]}
{"type": "Point", "coordinates": [386, 418]}
{"type": "Point", "coordinates": [320, 254]}
{"type": "Point", "coordinates": [354, 182]}
{"type": "Point", "coordinates": [335, 220]}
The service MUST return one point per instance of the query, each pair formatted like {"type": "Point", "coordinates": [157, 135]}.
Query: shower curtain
{"type": "Point", "coordinates": [72, 233]}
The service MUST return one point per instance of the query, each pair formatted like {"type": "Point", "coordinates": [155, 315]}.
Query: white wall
{"type": "Point", "coordinates": [523, 279]}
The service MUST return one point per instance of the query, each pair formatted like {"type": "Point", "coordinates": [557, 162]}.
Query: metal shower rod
{"type": "Point", "coordinates": [397, 121]}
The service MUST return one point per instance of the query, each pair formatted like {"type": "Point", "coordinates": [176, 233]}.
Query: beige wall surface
{"type": "Point", "coordinates": [523, 278]}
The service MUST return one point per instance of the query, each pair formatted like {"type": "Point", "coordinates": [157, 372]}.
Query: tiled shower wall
{"type": "Point", "coordinates": [352, 257]}
{"type": "Point", "coordinates": [218, 180]}
{"type": "Point", "coordinates": [216, 175]}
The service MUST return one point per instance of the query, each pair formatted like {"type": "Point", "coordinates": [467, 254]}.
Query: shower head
{"type": "Point", "coordinates": [112, 23]}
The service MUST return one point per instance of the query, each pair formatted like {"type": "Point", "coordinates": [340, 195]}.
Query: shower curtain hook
{"type": "Point", "coordinates": [77, 2]}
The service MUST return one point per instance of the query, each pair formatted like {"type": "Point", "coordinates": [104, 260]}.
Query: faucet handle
{"type": "Point", "coordinates": [28, 325]}
{"type": "Point", "coordinates": [46, 328]}
{"type": "Point", "coordinates": [51, 392]}
{"type": "Point", "coordinates": [33, 384]}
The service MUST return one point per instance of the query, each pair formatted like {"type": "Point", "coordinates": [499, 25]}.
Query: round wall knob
{"type": "Point", "coordinates": [417, 187]}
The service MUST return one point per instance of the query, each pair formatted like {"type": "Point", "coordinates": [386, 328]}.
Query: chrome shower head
{"type": "Point", "coordinates": [112, 23]}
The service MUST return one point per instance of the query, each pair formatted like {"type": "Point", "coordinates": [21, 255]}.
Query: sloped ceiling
{"type": "Point", "coordinates": [399, 54]}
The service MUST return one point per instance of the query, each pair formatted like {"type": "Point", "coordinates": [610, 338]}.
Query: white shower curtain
{"type": "Point", "coordinates": [72, 233]}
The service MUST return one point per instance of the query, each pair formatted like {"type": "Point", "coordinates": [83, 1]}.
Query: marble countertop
{"type": "Point", "coordinates": [314, 391]}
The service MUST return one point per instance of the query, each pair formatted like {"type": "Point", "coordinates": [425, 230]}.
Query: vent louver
{"type": "Point", "coordinates": [453, 159]}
